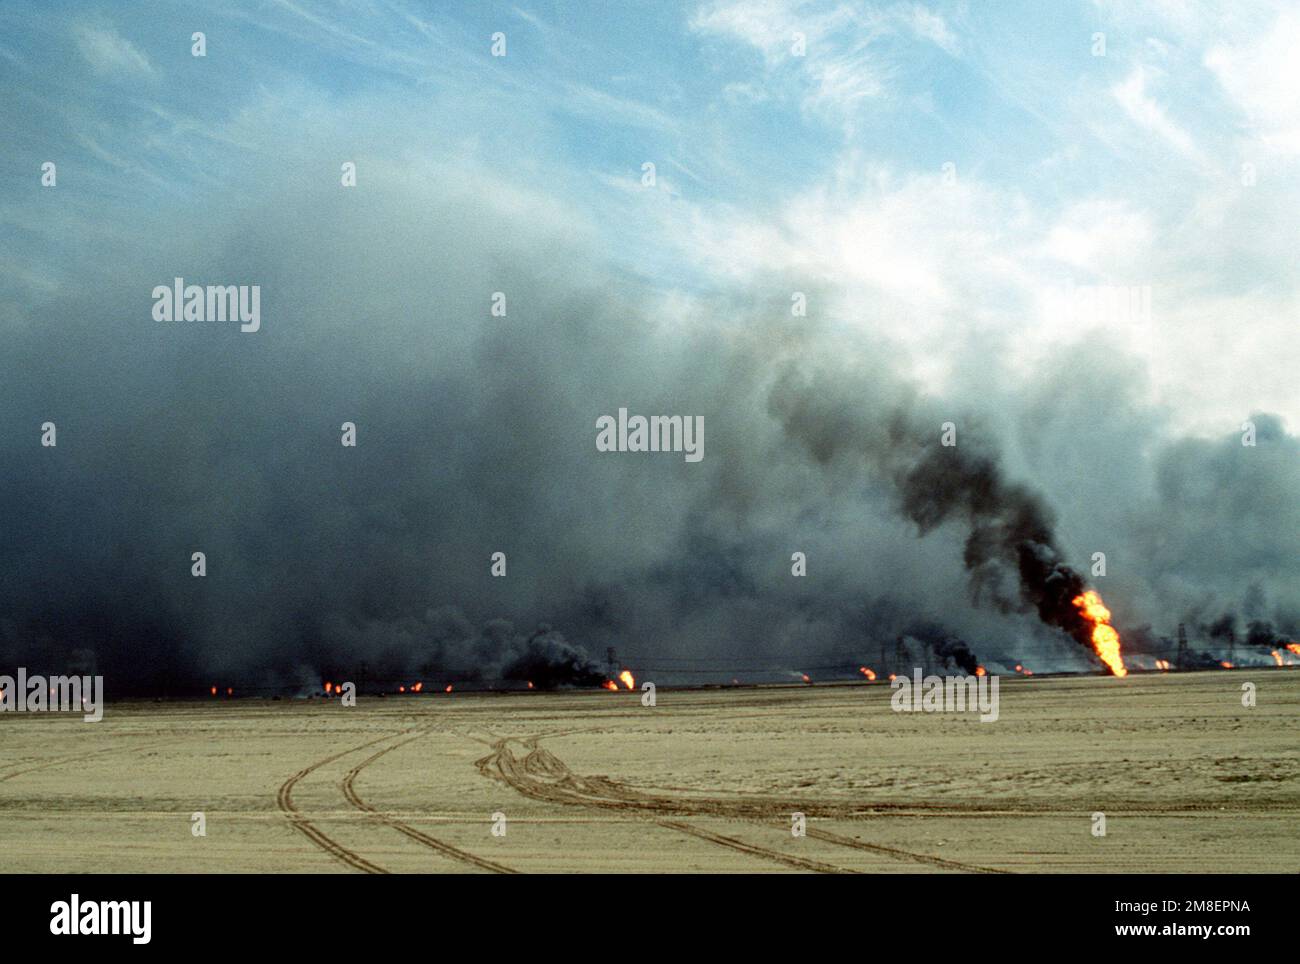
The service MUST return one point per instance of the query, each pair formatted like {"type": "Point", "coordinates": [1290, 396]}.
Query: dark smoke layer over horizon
{"type": "Point", "coordinates": [476, 435]}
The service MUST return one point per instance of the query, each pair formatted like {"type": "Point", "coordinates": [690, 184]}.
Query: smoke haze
{"type": "Point", "coordinates": [476, 434]}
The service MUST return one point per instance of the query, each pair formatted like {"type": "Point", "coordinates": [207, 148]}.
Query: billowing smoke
{"type": "Point", "coordinates": [1261, 633]}
{"type": "Point", "coordinates": [475, 435]}
{"type": "Point", "coordinates": [1010, 548]}
{"type": "Point", "coordinates": [547, 660]}
{"type": "Point", "coordinates": [1220, 534]}
{"type": "Point", "coordinates": [954, 651]}
{"type": "Point", "coordinates": [947, 650]}
{"type": "Point", "coordinates": [444, 646]}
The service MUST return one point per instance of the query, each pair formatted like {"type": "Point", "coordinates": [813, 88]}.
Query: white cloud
{"type": "Point", "coordinates": [1100, 236]}
{"type": "Point", "coordinates": [929, 26]}
{"type": "Point", "coordinates": [108, 52]}
{"type": "Point", "coordinates": [841, 67]}
{"type": "Point", "coordinates": [1144, 110]}
{"type": "Point", "coordinates": [1263, 78]}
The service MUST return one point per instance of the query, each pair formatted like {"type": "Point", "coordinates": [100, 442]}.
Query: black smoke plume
{"type": "Point", "coordinates": [1010, 551]}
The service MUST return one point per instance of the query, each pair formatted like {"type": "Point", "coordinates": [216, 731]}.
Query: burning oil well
{"type": "Point", "coordinates": [1010, 553]}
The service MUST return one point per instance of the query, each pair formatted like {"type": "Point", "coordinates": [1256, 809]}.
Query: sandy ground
{"type": "Point", "coordinates": [1188, 778]}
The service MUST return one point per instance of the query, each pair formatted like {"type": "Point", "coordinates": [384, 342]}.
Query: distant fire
{"type": "Point", "coordinates": [805, 677]}
{"type": "Point", "coordinates": [1105, 640]}
{"type": "Point", "coordinates": [1294, 647]}
{"type": "Point", "coordinates": [448, 689]}
{"type": "Point", "coordinates": [417, 687]}
{"type": "Point", "coordinates": [329, 687]}
{"type": "Point", "coordinates": [1225, 664]}
{"type": "Point", "coordinates": [627, 679]}
{"type": "Point", "coordinates": [979, 671]}
{"type": "Point", "coordinates": [867, 672]}
{"type": "Point", "coordinates": [214, 691]}
{"type": "Point", "coordinates": [610, 685]}
{"type": "Point", "coordinates": [1162, 664]}
{"type": "Point", "coordinates": [1277, 658]}
{"type": "Point", "coordinates": [530, 684]}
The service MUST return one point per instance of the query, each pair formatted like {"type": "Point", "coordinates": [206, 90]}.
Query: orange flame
{"type": "Point", "coordinates": [214, 691]}
{"type": "Point", "coordinates": [805, 677]}
{"type": "Point", "coordinates": [1162, 664]}
{"type": "Point", "coordinates": [979, 671]}
{"type": "Point", "coordinates": [448, 689]}
{"type": "Point", "coordinates": [1105, 640]}
{"type": "Point", "coordinates": [627, 679]}
{"type": "Point", "coordinates": [229, 691]}
{"type": "Point", "coordinates": [868, 673]}
{"type": "Point", "coordinates": [328, 686]}
{"type": "Point", "coordinates": [1277, 658]}
{"type": "Point", "coordinates": [1225, 664]}
{"type": "Point", "coordinates": [417, 687]}
{"type": "Point", "coordinates": [610, 685]}
{"type": "Point", "coordinates": [530, 684]}
{"type": "Point", "coordinates": [1294, 647]}
{"type": "Point", "coordinates": [401, 689]}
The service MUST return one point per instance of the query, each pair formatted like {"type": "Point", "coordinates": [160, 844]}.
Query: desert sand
{"type": "Point", "coordinates": [705, 781]}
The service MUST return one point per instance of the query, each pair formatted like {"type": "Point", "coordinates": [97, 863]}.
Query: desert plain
{"type": "Point", "coordinates": [707, 780]}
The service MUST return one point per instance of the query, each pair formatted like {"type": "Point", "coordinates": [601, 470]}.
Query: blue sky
{"type": "Point", "coordinates": [1120, 170]}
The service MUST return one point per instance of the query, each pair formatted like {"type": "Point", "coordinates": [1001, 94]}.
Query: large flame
{"type": "Point", "coordinates": [1105, 640]}
{"type": "Point", "coordinates": [627, 679]}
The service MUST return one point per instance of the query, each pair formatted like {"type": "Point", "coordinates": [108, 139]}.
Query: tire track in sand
{"type": "Point", "coordinates": [82, 756]}
{"type": "Point", "coordinates": [313, 833]}
{"type": "Point", "coordinates": [447, 850]}
{"type": "Point", "coordinates": [543, 776]}
{"type": "Point", "coordinates": [933, 861]}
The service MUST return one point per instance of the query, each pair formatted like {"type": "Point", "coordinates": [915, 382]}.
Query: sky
{"type": "Point", "coordinates": [971, 196]}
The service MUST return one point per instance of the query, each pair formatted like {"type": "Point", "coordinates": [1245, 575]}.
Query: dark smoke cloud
{"type": "Point", "coordinates": [476, 435]}
{"type": "Point", "coordinates": [1010, 548]}
{"type": "Point", "coordinates": [950, 651]}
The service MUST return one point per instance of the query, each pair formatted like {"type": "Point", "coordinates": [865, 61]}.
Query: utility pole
{"type": "Point", "coordinates": [900, 657]}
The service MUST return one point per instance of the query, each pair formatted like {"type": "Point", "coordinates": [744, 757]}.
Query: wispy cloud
{"type": "Point", "coordinates": [1262, 76]}
{"type": "Point", "coordinates": [109, 53]}
{"type": "Point", "coordinates": [832, 47]}
{"type": "Point", "coordinates": [1143, 109]}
